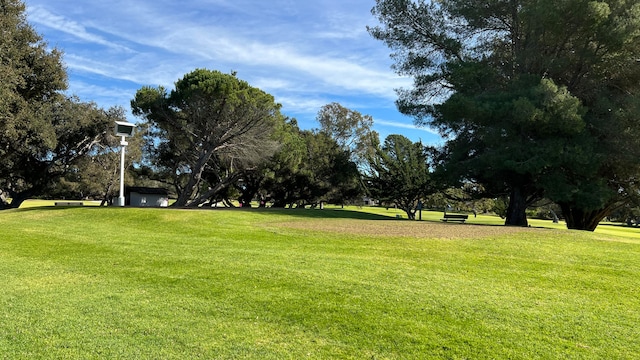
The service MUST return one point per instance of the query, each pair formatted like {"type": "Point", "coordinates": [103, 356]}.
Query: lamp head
{"type": "Point", "coordinates": [124, 128]}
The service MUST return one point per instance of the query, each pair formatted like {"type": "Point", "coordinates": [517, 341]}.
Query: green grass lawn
{"type": "Point", "coordinates": [123, 283]}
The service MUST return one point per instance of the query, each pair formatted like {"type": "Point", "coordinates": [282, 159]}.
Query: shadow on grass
{"type": "Point", "coordinates": [327, 213]}
{"type": "Point", "coordinates": [312, 213]}
{"type": "Point", "coordinates": [303, 213]}
{"type": "Point", "coordinates": [619, 225]}
{"type": "Point", "coordinates": [38, 208]}
{"type": "Point", "coordinates": [336, 213]}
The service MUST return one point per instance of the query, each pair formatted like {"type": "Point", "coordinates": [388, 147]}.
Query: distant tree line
{"type": "Point", "coordinates": [538, 103]}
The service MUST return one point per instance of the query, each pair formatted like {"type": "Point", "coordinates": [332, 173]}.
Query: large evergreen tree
{"type": "Point", "coordinates": [534, 97]}
{"type": "Point", "coordinates": [211, 125]}
{"type": "Point", "coordinates": [42, 132]}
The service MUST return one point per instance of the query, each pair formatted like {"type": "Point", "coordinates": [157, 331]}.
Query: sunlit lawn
{"type": "Point", "coordinates": [96, 283]}
{"type": "Point", "coordinates": [41, 203]}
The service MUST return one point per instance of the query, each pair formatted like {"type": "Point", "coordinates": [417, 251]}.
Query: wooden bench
{"type": "Point", "coordinates": [69, 203]}
{"type": "Point", "coordinates": [455, 217]}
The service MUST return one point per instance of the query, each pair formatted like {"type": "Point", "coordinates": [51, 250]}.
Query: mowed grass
{"type": "Point", "coordinates": [122, 283]}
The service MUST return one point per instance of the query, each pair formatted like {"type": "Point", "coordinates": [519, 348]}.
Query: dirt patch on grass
{"type": "Point", "coordinates": [422, 229]}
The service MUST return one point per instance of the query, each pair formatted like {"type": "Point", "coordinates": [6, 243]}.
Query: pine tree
{"type": "Point", "coordinates": [535, 98]}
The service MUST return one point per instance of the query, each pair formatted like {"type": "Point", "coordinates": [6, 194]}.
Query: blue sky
{"type": "Point", "coordinates": [305, 53]}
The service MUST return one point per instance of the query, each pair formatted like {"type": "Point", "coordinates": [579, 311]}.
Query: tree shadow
{"type": "Point", "coordinates": [312, 213]}
{"type": "Point", "coordinates": [619, 225]}
{"type": "Point", "coordinates": [51, 208]}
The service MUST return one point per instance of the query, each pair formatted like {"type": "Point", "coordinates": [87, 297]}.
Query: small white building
{"type": "Point", "coordinates": [146, 197]}
{"type": "Point", "coordinates": [370, 201]}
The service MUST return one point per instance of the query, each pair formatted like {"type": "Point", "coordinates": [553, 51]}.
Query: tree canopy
{"type": "Point", "coordinates": [97, 175]}
{"type": "Point", "coordinates": [349, 128]}
{"type": "Point", "coordinates": [310, 167]}
{"type": "Point", "coordinates": [42, 132]}
{"type": "Point", "coordinates": [399, 173]}
{"type": "Point", "coordinates": [209, 126]}
{"type": "Point", "coordinates": [535, 98]}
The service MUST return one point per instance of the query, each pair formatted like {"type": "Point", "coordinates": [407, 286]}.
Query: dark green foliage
{"type": "Point", "coordinates": [535, 98]}
{"type": "Point", "coordinates": [400, 174]}
{"type": "Point", "coordinates": [209, 127]}
{"type": "Point", "coordinates": [43, 133]}
{"type": "Point", "coordinates": [310, 168]}
{"type": "Point", "coordinates": [97, 175]}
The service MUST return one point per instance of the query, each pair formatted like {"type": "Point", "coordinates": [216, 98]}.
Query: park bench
{"type": "Point", "coordinates": [455, 217]}
{"type": "Point", "coordinates": [69, 203]}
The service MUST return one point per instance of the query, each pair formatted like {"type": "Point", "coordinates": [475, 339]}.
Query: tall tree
{"type": "Point", "coordinates": [328, 173]}
{"type": "Point", "coordinates": [400, 173]}
{"type": "Point", "coordinates": [285, 166]}
{"type": "Point", "coordinates": [209, 119]}
{"type": "Point", "coordinates": [97, 174]}
{"type": "Point", "coordinates": [349, 128]}
{"type": "Point", "coordinates": [518, 136]}
{"type": "Point", "coordinates": [309, 168]}
{"type": "Point", "coordinates": [72, 130]}
{"type": "Point", "coordinates": [534, 97]}
{"type": "Point", "coordinates": [42, 132]}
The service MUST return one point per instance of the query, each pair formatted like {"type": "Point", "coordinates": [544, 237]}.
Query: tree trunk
{"type": "Point", "coordinates": [252, 186]}
{"type": "Point", "coordinates": [580, 219]}
{"type": "Point", "coordinates": [4, 204]}
{"type": "Point", "coordinates": [107, 191]}
{"type": "Point", "coordinates": [410, 214]}
{"type": "Point", "coordinates": [16, 201]}
{"type": "Point", "coordinates": [214, 191]}
{"type": "Point", "coordinates": [408, 209]}
{"type": "Point", "coordinates": [517, 210]}
{"type": "Point", "coordinates": [194, 178]}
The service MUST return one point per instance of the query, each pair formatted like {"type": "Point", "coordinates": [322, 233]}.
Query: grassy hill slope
{"type": "Point", "coordinates": [93, 283]}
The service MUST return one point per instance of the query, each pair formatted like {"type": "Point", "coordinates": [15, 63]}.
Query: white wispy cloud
{"type": "Point", "coordinates": [224, 45]}
{"type": "Point", "coordinates": [301, 104]}
{"type": "Point", "coordinates": [104, 95]}
{"type": "Point", "coordinates": [306, 54]}
{"type": "Point", "coordinates": [44, 17]}
{"type": "Point", "coordinates": [405, 126]}
{"type": "Point", "coordinates": [216, 45]}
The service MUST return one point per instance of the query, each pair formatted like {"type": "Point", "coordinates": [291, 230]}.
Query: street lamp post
{"type": "Point", "coordinates": [124, 130]}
